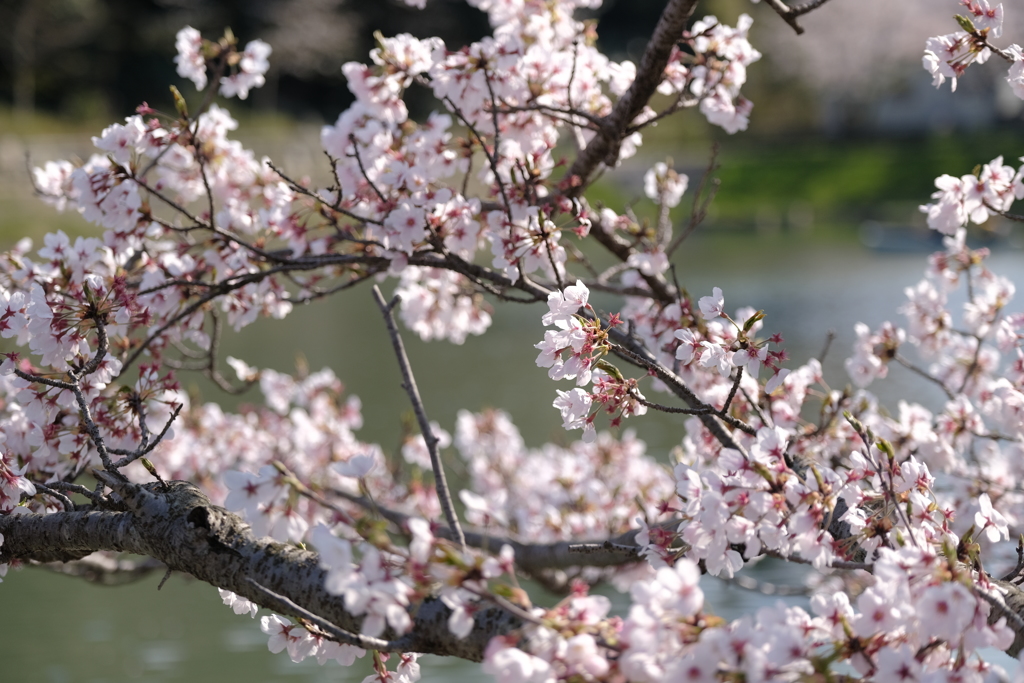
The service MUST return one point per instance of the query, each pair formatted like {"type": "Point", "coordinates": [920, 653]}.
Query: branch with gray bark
{"type": "Point", "coordinates": [177, 525]}
{"type": "Point", "coordinates": [174, 525]}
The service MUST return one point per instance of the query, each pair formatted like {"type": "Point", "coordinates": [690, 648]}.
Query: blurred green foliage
{"type": "Point", "coordinates": [834, 176]}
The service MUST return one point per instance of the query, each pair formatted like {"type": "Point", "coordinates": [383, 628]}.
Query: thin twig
{"type": "Point", "coordinates": [98, 500]}
{"type": "Point", "coordinates": [505, 604]}
{"type": "Point", "coordinates": [492, 159]}
{"type": "Point", "coordinates": [64, 500]}
{"type": "Point", "coordinates": [699, 210]}
{"type": "Point", "coordinates": [294, 185]}
{"type": "Point", "coordinates": [200, 224]}
{"type": "Point", "coordinates": [359, 160]}
{"type": "Point", "coordinates": [497, 142]}
{"type": "Point", "coordinates": [923, 373]}
{"type": "Point", "coordinates": [551, 257]}
{"type": "Point", "coordinates": [548, 110]}
{"type": "Point", "coordinates": [1015, 572]}
{"type": "Point", "coordinates": [282, 604]}
{"type": "Point", "coordinates": [835, 564]}
{"type": "Point", "coordinates": [888, 486]}
{"type": "Point", "coordinates": [532, 558]}
{"type": "Point", "coordinates": [409, 384]}
{"type": "Point", "coordinates": [972, 367]}
{"type": "Point", "coordinates": [756, 409]}
{"type": "Point", "coordinates": [669, 409]}
{"type": "Point", "coordinates": [677, 387]}
{"type": "Point", "coordinates": [309, 493]}
{"type": "Point", "coordinates": [320, 293]}
{"type": "Point", "coordinates": [732, 391]}
{"type": "Point", "coordinates": [830, 337]}
{"type": "Point", "coordinates": [144, 448]}
{"type": "Point", "coordinates": [687, 395]}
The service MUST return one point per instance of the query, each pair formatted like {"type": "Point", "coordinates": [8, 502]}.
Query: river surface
{"type": "Point", "coordinates": [61, 630]}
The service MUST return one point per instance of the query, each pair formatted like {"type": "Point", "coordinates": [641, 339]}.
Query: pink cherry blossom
{"type": "Point", "coordinates": [1015, 77]}
{"type": "Point", "coordinates": [664, 186]}
{"type": "Point", "coordinates": [990, 522]}
{"type": "Point", "coordinates": [563, 305]}
{"type": "Point", "coordinates": [711, 307]}
{"type": "Point", "coordinates": [250, 73]}
{"type": "Point", "coordinates": [190, 61]}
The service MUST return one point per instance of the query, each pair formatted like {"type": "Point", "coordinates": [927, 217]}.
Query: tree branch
{"type": "Point", "coordinates": [409, 384]}
{"type": "Point", "coordinates": [604, 147]}
{"type": "Point", "coordinates": [182, 529]}
{"type": "Point", "coordinates": [530, 558]}
{"type": "Point", "coordinates": [789, 14]}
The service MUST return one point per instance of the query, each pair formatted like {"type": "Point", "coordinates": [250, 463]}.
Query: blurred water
{"type": "Point", "coordinates": [61, 630]}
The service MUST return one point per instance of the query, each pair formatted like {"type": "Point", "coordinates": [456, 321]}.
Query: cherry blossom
{"type": "Point", "coordinates": [1015, 77]}
{"type": "Point", "coordinates": [238, 604]}
{"type": "Point", "coordinates": [299, 642]}
{"type": "Point", "coordinates": [949, 56]}
{"type": "Point", "coordinates": [250, 72]}
{"type": "Point", "coordinates": [711, 307]}
{"type": "Point", "coordinates": [190, 60]}
{"type": "Point", "coordinates": [985, 15]}
{"type": "Point", "coordinates": [664, 186]}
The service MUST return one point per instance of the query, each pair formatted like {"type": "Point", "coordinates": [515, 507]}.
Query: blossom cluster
{"type": "Point", "coordinates": [668, 636]}
{"type": "Point", "coordinates": [948, 56]}
{"type": "Point", "coordinates": [555, 493]}
{"type": "Point", "coordinates": [828, 492]}
{"type": "Point", "coordinates": [714, 78]}
{"type": "Point", "coordinates": [248, 67]}
{"type": "Point", "coordinates": [974, 198]}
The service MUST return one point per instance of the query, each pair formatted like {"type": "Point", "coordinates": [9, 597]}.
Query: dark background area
{"type": "Point", "coordinates": [86, 59]}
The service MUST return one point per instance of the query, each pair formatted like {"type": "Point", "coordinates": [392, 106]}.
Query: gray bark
{"type": "Point", "coordinates": [181, 528]}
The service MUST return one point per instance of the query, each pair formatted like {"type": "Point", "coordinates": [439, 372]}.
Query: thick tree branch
{"type": "Point", "coordinates": [613, 128]}
{"type": "Point", "coordinates": [604, 147]}
{"type": "Point", "coordinates": [182, 529]}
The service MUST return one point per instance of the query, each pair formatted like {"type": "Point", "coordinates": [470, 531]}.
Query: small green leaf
{"type": "Point", "coordinates": [610, 369]}
{"type": "Point", "coordinates": [965, 23]}
{"type": "Point", "coordinates": [886, 447]}
{"type": "Point", "coordinates": [854, 422]}
{"type": "Point", "coordinates": [150, 468]}
{"type": "Point", "coordinates": [753, 320]}
{"type": "Point", "coordinates": [179, 103]}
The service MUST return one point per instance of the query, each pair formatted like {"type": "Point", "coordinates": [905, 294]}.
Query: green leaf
{"type": "Point", "coordinates": [965, 23]}
{"type": "Point", "coordinates": [179, 103]}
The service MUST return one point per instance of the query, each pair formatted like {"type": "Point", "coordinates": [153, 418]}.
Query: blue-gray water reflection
{"type": "Point", "coordinates": [61, 630]}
